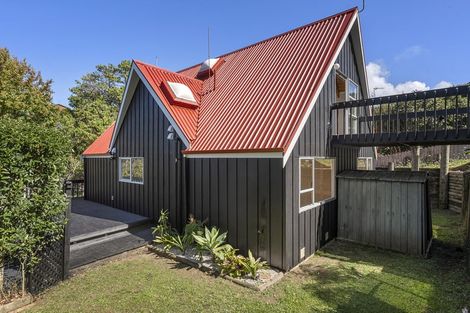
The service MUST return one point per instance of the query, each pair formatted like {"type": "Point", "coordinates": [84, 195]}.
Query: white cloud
{"type": "Point", "coordinates": [443, 84]}
{"type": "Point", "coordinates": [409, 53]}
{"type": "Point", "coordinates": [380, 86]}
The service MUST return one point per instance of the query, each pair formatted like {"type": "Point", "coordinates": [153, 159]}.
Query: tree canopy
{"type": "Point", "coordinates": [95, 101]}
{"type": "Point", "coordinates": [24, 94]}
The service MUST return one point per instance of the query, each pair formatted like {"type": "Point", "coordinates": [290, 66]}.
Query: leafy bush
{"type": "Point", "coordinates": [33, 161]}
{"type": "Point", "coordinates": [212, 242]}
{"type": "Point", "coordinates": [170, 238]}
{"type": "Point", "coordinates": [232, 264]}
{"type": "Point", "coordinates": [237, 265]}
{"type": "Point", "coordinates": [163, 226]}
{"type": "Point", "coordinates": [252, 265]}
{"type": "Point", "coordinates": [169, 241]}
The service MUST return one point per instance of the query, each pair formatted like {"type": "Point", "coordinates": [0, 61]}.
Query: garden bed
{"type": "Point", "coordinates": [266, 277]}
{"type": "Point", "coordinates": [16, 304]}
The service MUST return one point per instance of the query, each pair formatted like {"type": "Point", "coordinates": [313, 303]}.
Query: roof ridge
{"type": "Point", "coordinates": [168, 71]}
{"type": "Point", "coordinates": [275, 36]}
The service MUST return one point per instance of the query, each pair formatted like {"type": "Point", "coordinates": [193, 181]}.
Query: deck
{"type": "Point", "coordinates": [432, 117]}
{"type": "Point", "coordinates": [98, 231]}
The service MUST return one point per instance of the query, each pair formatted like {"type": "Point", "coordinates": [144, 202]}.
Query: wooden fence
{"type": "Point", "coordinates": [466, 214]}
{"type": "Point", "coordinates": [455, 191]}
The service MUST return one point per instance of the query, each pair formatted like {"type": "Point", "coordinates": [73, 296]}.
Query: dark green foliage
{"type": "Point", "coordinates": [170, 238]}
{"type": "Point", "coordinates": [33, 161]}
{"type": "Point", "coordinates": [95, 102]}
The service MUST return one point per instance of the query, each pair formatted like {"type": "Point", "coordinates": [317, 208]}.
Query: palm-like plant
{"type": "Point", "coordinates": [212, 242]}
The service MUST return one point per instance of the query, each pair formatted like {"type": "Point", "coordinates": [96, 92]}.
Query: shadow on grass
{"type": "Point", "coordinates": [356, 278]}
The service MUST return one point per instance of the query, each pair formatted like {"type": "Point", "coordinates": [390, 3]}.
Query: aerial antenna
{"type": "Point", "coordinates": [208, 44]}
{"type": "Point", "coordinates": [156, 61]}
{"type": "Point", "coordinates": [363, 6]}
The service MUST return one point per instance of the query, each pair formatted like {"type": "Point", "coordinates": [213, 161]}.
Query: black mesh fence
{"type": "Point", "coordinates": [53, 265]}
{"type": "Point", "coordinates": [51, 269]}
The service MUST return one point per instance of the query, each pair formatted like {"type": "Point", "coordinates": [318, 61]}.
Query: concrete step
{"type": "Point", "coordinates": [97, 248]}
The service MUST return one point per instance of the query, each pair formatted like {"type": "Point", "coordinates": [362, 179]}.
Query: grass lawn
{"type": "Point", "coordinates": [343, 277]}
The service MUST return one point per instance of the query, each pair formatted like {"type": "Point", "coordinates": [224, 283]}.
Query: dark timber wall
{"type": "Point", "coordinates": [311, 229]}
{"type": "Point", "coordinates": [243, 197]}
{"type": "Point", "coordinates": [143, 134]}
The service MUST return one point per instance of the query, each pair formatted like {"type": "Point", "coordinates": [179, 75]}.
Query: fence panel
{"type": "Point", "coordinates": [54, 264]}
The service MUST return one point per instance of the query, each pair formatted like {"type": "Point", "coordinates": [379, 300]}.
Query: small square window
{"type": "Point", "coordinates": [131, 170]}
{"type": "Point", "coordinates": [317, 181]}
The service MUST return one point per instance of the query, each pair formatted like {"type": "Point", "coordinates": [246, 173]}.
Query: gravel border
{"type": "Point", "coordinates": [267, 277]}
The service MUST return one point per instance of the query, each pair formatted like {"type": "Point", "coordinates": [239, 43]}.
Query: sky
{"type": "Point", "coordinates": [409, 44]}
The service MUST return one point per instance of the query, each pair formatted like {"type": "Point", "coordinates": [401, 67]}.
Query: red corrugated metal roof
{"type": "Point", "coordinates": [261, 92]}
{"type": "Point", "coordinates": [185, 117]}
{"type": "Point", "coordinates": [101, 145]}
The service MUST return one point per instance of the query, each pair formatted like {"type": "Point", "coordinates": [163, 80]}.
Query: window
{"type": "Point", "coordinates": [317, 181]}
{"type": "Point", "coordinates": [352, 113]}
{"type": "Point", "coordinates": [131, 170]}
{"type": "Point", "coordinates": [346, 90]}
{"type": "Point", "coordinates": [365, 164]}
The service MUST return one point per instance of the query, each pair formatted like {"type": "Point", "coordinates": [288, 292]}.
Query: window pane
{"type": "Point", "coordinates": [138, 170]}
{"type": "Point", "coordinates": [324, 175]}
{"type": "Point", "coordinates": [125, 169]}
{"type": "Point", "coordinates": [306, 198]}
{"type": "Point", "coordinates": [361, 164]}
{"type": "Point", "coordinates": [340, 89]}
{"type": "Point", "coordinates": [352, 90]}
{"type": "Point", "coordinates": [306, 179]}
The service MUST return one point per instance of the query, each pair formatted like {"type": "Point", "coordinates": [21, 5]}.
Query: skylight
{"type": "Point", "coordinates": [208, 64]}
{"type": "Point", "coordinates": [182, 92]}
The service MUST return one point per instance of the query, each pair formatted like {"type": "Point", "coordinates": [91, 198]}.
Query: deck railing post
{"type": "Point", "coordinates": [443, 177]}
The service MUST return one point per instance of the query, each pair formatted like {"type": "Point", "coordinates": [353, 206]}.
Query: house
{"type": "Point", "coordinates": [241, 140]}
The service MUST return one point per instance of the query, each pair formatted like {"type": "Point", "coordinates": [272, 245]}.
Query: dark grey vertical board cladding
{"type": "Point", "coordinates": [395, 221]}
{"type": "Point", "coordinates": [143, 134]}
{"type": "Point", "coordinates": [99, 181]}
{"type": "Point", "coordinates": [243, 197]}
{"type": "Point", "coordinates": [314, 228]}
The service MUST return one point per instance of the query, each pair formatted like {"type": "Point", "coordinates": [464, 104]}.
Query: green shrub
{"type": "Point", "coordinates": [212, 242]}
{"type": "Point", "coordinates": [169, 241]}
{"type": "Point", "coordinates": [163, 226]}
{"type": "Point", "coordinates": [252, 265]}
{"type": "Point", "coordinates": [232, 264]}
{"type": "Point", "coordinates": [236, 265]}
{"type": "Point", "coordinates": [33, 160]}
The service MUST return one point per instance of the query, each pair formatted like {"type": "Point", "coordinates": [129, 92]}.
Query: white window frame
{"type": "Point", "coordinates": [351, 112]}
{"type": "Point", "coordinates": [367, 159]}
{"type": "Point", "coordinates": [124, 180]}
{"type": "Point", "coordinates": [312, 190]}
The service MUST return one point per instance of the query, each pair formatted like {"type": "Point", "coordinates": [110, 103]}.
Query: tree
{"type": "Point", "coordinates": [24, 93]}
{"type": "Point", "coordinates": [95, 102]}
{"type": "Point", "coordinates": [33, 161]}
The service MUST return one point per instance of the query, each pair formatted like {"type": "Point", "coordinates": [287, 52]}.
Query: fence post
{"type": "Point", "coordinates": [66, 239]}
{"type": "Point", "coordinates": [415, 158]}
{"type": "Point", "coordinates": [443, 179]}
{"type": "Point", "coordinates": [391, 166]}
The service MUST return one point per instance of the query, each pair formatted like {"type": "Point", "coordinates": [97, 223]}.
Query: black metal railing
{"type": "Point", "coordinates": [425, 117]}
{"type": "Point", "coordinates": [74, 188]}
